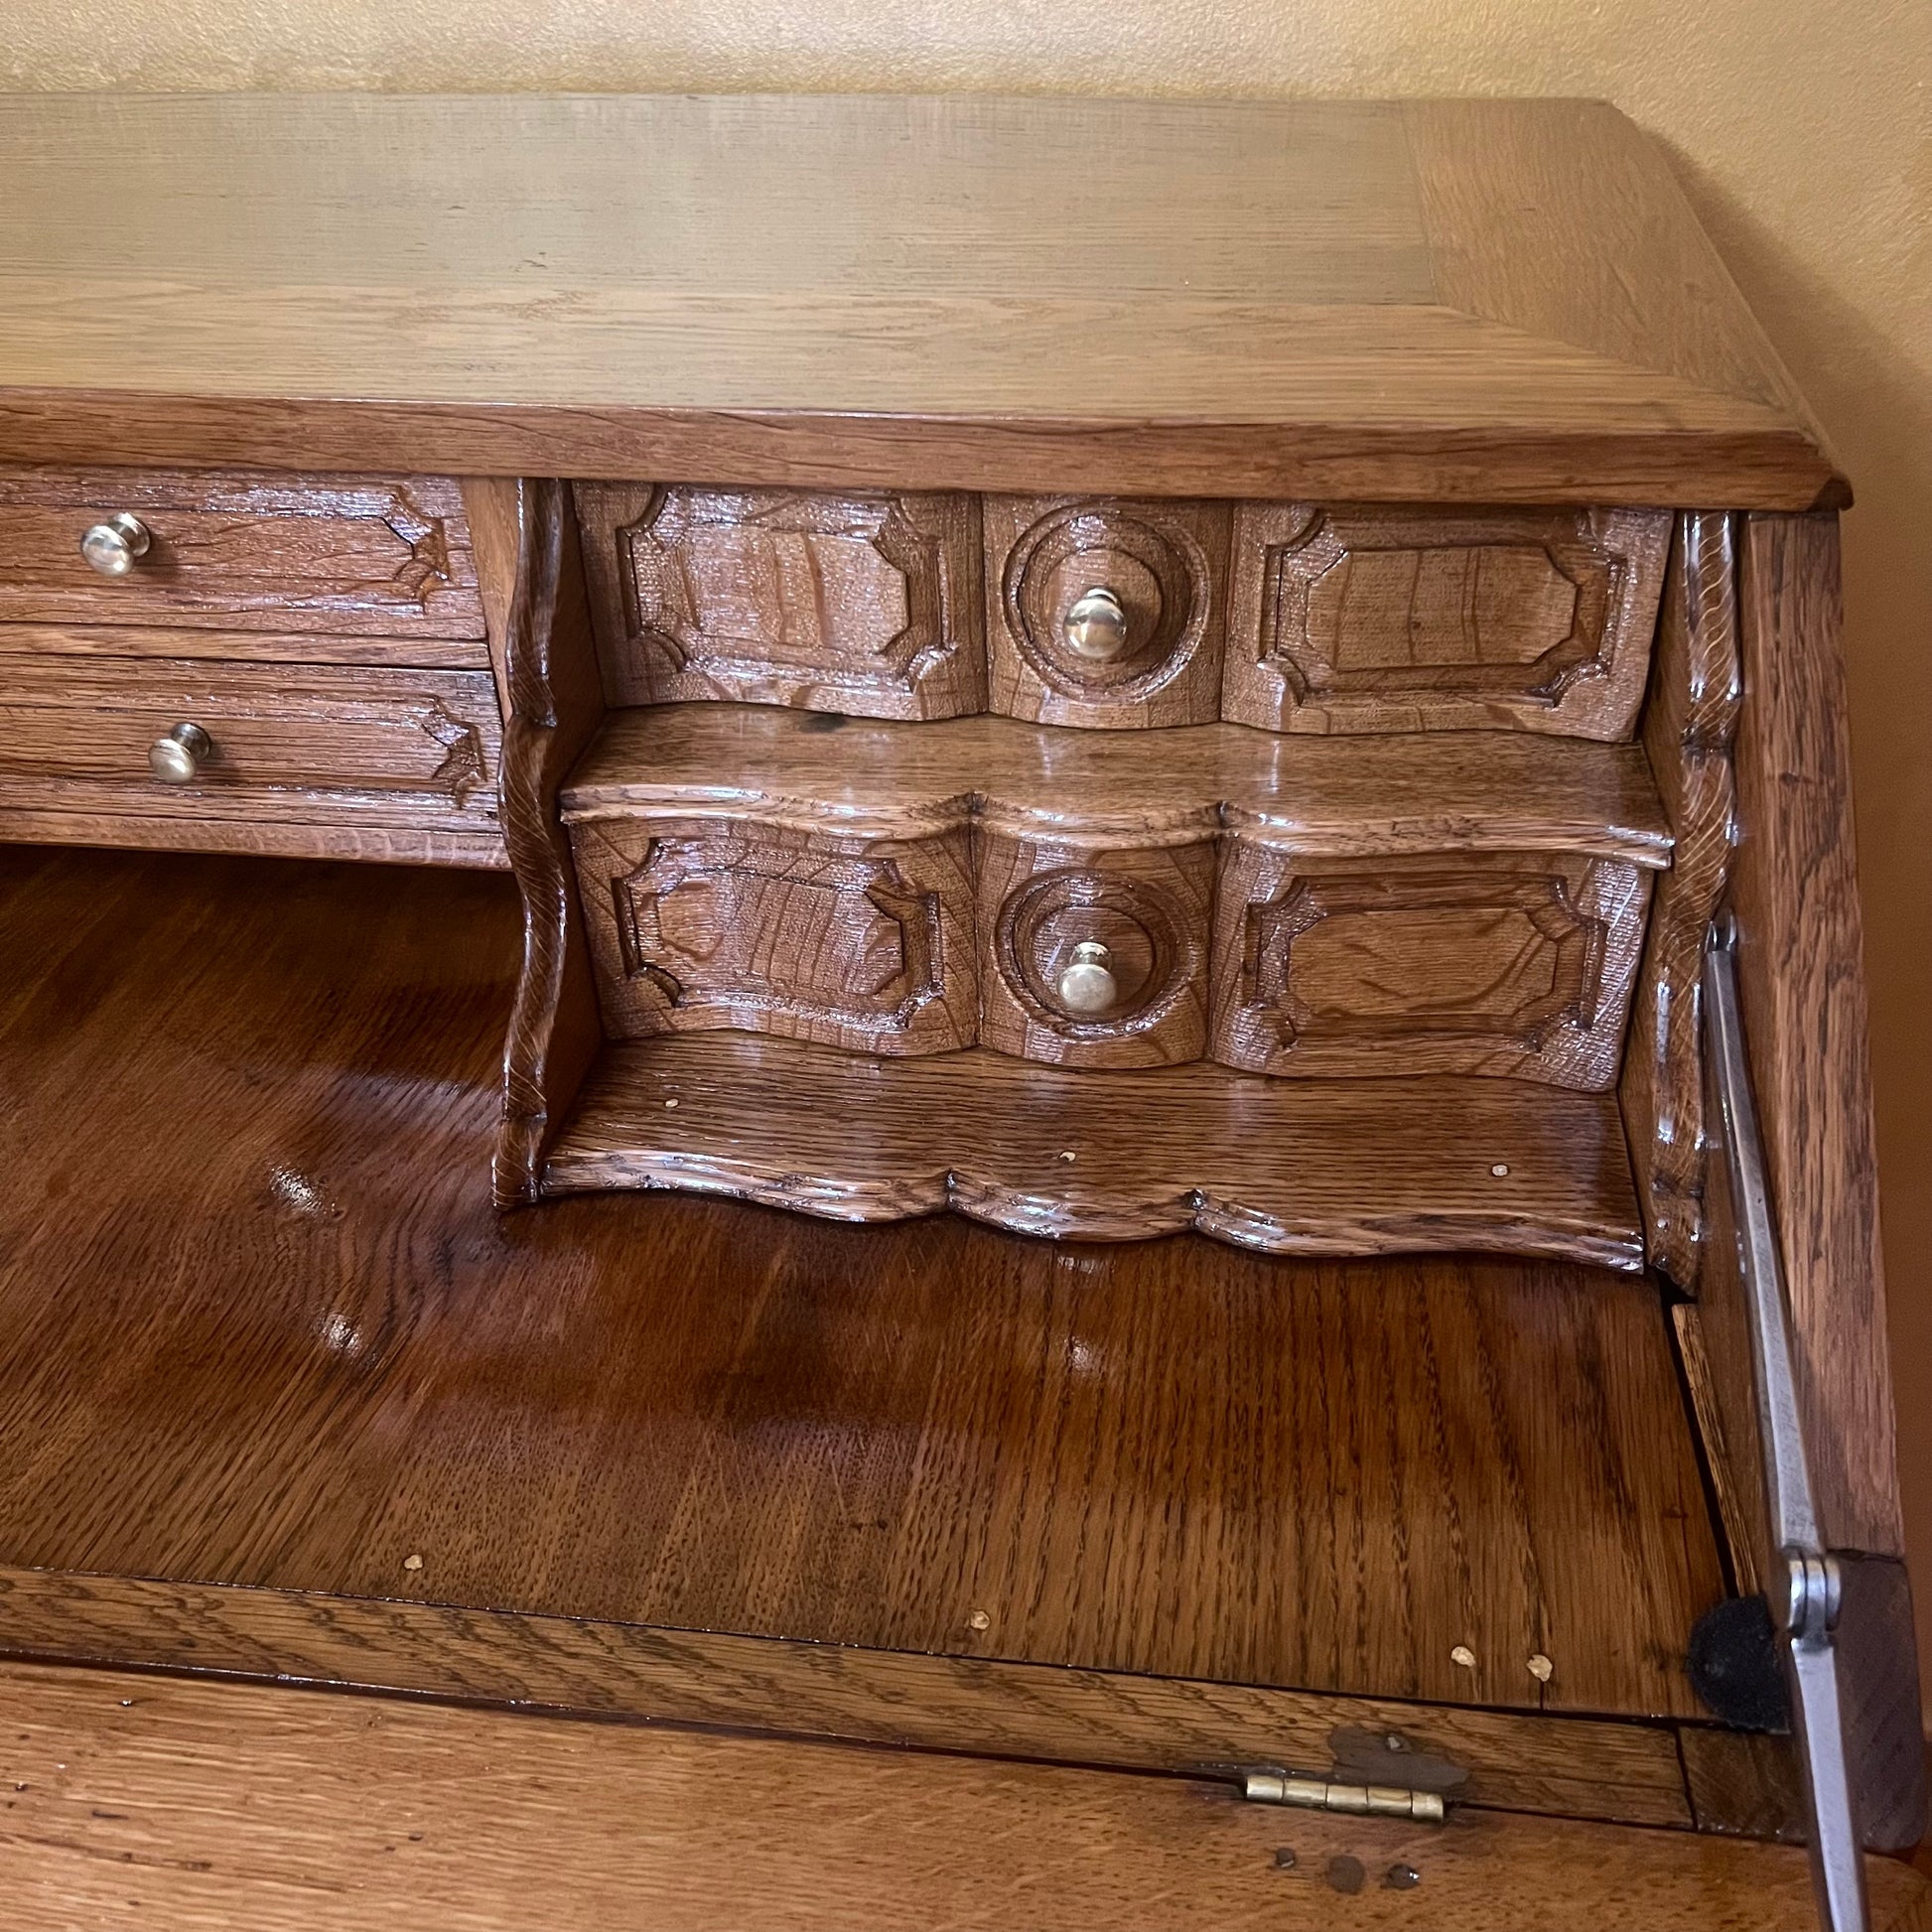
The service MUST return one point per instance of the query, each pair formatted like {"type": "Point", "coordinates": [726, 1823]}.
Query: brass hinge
{"type": "Point", "coordinates": [1322, 1794]}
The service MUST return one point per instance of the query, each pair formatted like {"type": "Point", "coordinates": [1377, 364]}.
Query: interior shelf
{"type": "Point", "coordinates": [1289, 1167]}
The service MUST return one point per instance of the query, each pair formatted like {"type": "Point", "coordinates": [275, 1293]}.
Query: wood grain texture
{"type": "Point", "coordinates": [1689, 726]}
{"type": "Point", "coordinates": [116, 639]}
{"type": "Point", "coordinates": [141, 1801]}
{"type": "Point", "coordinates": [834, 602]}
{"type": "Point", "coordinates": [303, 744]}
{"type": "Point", "coordinates": [1302, 1167]}
{"type": "Point", "coordinates": [1494, 792]}
{"type": "Point", "coordinates": [268, 838]}
{"type": "Point", "coordinates": [819, 882]}
{"type": "Point", "coordinates": [383, 555]}
{"type": "Point", "coordinates": [1794, 885]}
{"type": "Point", "coordinates": [746, 311]}
{"type": "Point", "coordinates": [1495, 964]}
{"type": "Point", "coordinates": [1623, 1772]}
{"type": "Point", "coordinates": [697, 924]}
{"type": "Point", "coordinates": [1715, 1409]}
{"type": "Point", "coordinates": [1357, 619]}
{"type": "Point", "coordinates": [281, 1339]}
{"type": "Point", "coordinates": [1165, 564]}
{"type": "Point", "coordinates": [555, 703]}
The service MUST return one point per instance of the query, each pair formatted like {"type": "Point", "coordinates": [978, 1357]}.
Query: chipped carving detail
{"type": "Point", "coordinates": [463, 767]}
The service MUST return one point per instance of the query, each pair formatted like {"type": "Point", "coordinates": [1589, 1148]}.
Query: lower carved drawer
{"type": "Point", "coordinates": [206, 741]}
{"type": "Point", "coordinates": [1321, 910]}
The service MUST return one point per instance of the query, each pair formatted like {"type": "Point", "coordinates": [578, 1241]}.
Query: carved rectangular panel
{"type": "Point", "coordinates": [831, 601]}
{"type": "Point", "coordinates": [1459, 963]}
{"type": "Point", "coordinates": [1150, 653]}
{"type": "Point", "coordinates": [1093, 954]}
{"type": "Point", "coordinates": [1353, 619]}
{"type": "Point", "coordinates": [385, 555]}
{"type": "Point", "coordinates": [698, 923]}
{"type": "Point", "coordinates": [317, 744]}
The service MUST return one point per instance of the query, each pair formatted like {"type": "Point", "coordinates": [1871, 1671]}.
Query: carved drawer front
{"type": "Point", "coordinates": [1094, 955]}
{"type": "Point", "coordinates": [862, 603]}
{"type": "Point", "coordinates": [1349, 619]}
{"type": "Point", "coordinates": [1105, 612]}
{"type": "Point", "coordinates": [203, 740]}
{"type": "Point", "coordinates": [381, 556]}
{"type": "Point", "coordinates": [1489, 963]}
{"type": "Point", "coordinates": [698, 923]}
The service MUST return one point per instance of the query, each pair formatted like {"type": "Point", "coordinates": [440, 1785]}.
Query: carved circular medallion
{"type": "Point", "coordinates": [1152, 570]}
{"type": "Point", "coordinates": [1149, 953]}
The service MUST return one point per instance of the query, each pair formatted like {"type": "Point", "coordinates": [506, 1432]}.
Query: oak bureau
{"type": "Point", "coordinates": [1266, 672]}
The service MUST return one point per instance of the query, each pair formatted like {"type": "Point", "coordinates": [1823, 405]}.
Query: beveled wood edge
{"type": "Point", "coordinates": [1615, 1770]}
{"type": "Point", "coordinates": [555, 702]}
{"type": "Point", "coordinates": [956, 1189]}
{"type": "Point", "coordinates": [1776, 468]}
{"type": "Point", "coordinates": [264, 838]}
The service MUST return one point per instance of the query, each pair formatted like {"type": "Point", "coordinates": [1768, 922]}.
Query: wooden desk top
{"type": "Point", "coordinates": [1500, 300]}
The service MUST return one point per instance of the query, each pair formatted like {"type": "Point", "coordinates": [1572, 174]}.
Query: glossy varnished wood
{"type": "Point", "coordinates": [1285, 1167]}
{"type": "Point", "coordinates": [1688, 726]}
{"type": "Point", "coordinates": [868, 604]}
{"type": "Point", "coordinates": [1370, 618]}
{"type": "Point", "coordinates": [1623, 1772]}
{"type": "Point", "coordinates": [146, 1802]}
{"type": "Point", "coordinates": [280, 1339]}
{"type": "Point", "coordinates": [747, 305]}
{"type": "Point", "coordinates": [315, 744]}
{"type": "Point", "coordinates": [389, 556]}
{"type": "Point", "coordinates": [1466, 791]}
{"type": "Point", "coordinates": [542, 650]}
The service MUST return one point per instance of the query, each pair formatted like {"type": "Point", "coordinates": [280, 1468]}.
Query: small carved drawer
{"type": "Point", "coordinates": [1452, 962]}
{"type": "Point", "coordinates": [376, 556]}
{"type": "Point", "coordinates": [202, 740]}
{"type": "Point", "coordinates": [1105, 612]}
{"type": "Point", "coordinates": [1360, 618]}
{"type": "Point", "coordinates": [868, 604]}
{"type": "Point", "coordinates": [1093, 953]}
{"type": "Point", "coordinates": [704, 922]}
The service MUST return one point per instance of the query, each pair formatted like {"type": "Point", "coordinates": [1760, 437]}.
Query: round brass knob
{"type": "Point", "coordinates": [175, 759]}
{"type": "Point", "coordinates": [116, 546]}
{"type": "Point", "coordinates": [1085, 983]}
{"type": "Point", "coordinates": [1095, 626]}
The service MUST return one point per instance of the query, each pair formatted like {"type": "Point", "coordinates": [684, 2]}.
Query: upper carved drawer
{"type": "Point", "coordinates": [380, 556]}
{"type": "Point", "coordinates": [1124, 613]}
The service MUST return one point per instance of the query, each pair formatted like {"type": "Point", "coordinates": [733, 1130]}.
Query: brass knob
{"type": "Point", "coordinates": [1095, 626]}
{"type": "Point", "coordinates": [114, 547]}
{"type": "Point", "coordinates": [1086, 984]}
{"type": "Point", "coordinates": [175, 759]}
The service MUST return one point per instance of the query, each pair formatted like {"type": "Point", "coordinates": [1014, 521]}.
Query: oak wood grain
{"type": "Point", "coordinates": [1795, 888]}
{"type": "Point", "coordinates": [1688, 726]}
{"type": "Point", "coordinates": [279, 1338]}
{"type": "Point", "coordinates": [309, 744]}
{"type": "Point", "coordinates": [698, 923]}
{"type": "Point", "coordinates": [1165, 564]}
{"type": "Point", "coordinates": [833, 602]}
{"type": "Point", "coordinates": [1465, 791]}
{"type": "Point", "coordinates": [268, 838]}
{"type": "Point", "coordinates": [1302, 1167]}
{"type": "Point", "coordinates": [1624, 1772]}
{"type": "Point", "coordinates": [144, 1800]}
{"type": "Point", "coordinates": [383, 555]}
{"type": "Point", "coordinates": [117, 640]}
{"type": "Point", "coordinates": [549, 670]}
{"type": "Point", "coordinates": [748, 310]}
{"type": "Point", "coordinates": [1363, 618]}
{"type": "Point", "coordinates": [1490, 963]}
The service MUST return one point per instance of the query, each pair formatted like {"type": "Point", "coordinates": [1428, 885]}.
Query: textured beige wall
{"type": "Point", "coordinates": [1803, 130]}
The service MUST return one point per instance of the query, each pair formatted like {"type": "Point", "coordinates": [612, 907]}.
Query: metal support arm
{"type": "Point", "coordinates": [1807, 1612]}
